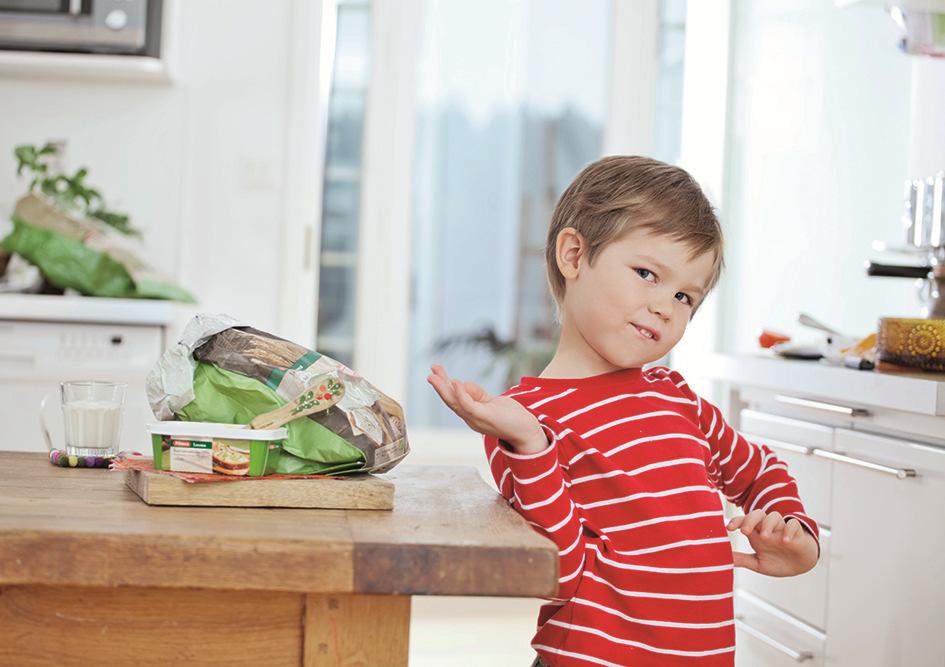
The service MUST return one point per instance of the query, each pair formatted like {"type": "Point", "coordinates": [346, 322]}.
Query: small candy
{"type": "Point", "coordinates": [63, 461]}
{"type": "Point", "coordinates": [73, 460]}
{"type": "Point", "coordinates": [54, 456]}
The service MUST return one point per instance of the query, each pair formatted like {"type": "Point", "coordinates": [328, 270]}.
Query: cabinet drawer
{"type": "Point", "coordinates": [786, 429]}
{"type": "Point", "coordinates": [806, 409]}
{"type": "Point", "coordinates": [804, 596]}
{"type": "Point", "coordinates": [789, 438]}
{"type": "Point", "coordinates": [766, 636]}
{"type": "Point", "coordinates": [67, 351]}
{"type": "Point", "coordinates": [887, 568]}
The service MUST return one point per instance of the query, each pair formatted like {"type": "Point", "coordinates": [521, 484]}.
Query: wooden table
{"type": "Point", "coordinates": [89, 574]}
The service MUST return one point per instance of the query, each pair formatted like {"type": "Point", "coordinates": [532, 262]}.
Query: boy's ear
{"type": "Point", "coordinates": [569, 248]}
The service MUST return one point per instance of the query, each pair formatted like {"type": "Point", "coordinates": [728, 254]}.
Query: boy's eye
{"type": "Point", "coordinates": [641, 272]}
{"type": "Point", "coordinates": [688, 300]}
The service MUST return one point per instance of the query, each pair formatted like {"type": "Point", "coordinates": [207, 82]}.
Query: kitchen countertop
{"type": "Point", "coordinates": [53, 308]}
{"type": "Point", "coordinates": [923, 393]}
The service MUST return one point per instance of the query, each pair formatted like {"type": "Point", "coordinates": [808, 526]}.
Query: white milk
{"type": "Point", "coordinates": [92, 427]}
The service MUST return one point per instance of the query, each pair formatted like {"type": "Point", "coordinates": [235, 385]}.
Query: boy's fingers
{"type": "Point", "coordinates": [442, 387]}
{"type": "Point", "coordinates": [440, 372]}
{"type": "Point", "coordinates": [770, 523]}
{"type": "Point", "coordinates": [444, 390]}
{"type": "Point", "coordinates": [792, 530]}
{"type": "Point", "coordinates": [735, 522]}
{"type": "Point", "coordinates": [751, 520]}
{"type": "Point", "coordinates": [466, 403]}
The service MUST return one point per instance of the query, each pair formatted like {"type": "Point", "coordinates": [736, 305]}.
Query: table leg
{"type": "Point", "coordinates": [356, 630]}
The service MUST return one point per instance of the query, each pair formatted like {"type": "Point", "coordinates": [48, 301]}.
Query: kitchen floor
{"type": "Point", "coordinates": [472, 632]}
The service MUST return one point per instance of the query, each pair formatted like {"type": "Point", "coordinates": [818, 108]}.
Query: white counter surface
{"type": "Point", "coordinates": [923, 393]}
{"type": "Point", "coordinates": [51, 308]}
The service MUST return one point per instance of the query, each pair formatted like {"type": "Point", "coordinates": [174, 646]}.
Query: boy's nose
{"type": "Point", "coordinates": [660, 309]}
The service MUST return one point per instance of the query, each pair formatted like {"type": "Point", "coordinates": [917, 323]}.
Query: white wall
{"type": "Point", "coordinates": [199, 163]}
{"type": "Point", "coordinates": [818, 151]}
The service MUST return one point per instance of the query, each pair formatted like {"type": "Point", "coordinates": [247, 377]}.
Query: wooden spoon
{"type": "Point", "coordinates": [313, 400]}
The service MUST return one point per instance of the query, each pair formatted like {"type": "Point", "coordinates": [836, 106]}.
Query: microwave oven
{"type": "Point", "coordinates": [123, 27]}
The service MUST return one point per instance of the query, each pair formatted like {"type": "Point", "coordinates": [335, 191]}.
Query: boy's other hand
{"type": "Point", "coordinates": [498, 416]}
{"type": "Point", "coordinates": [782, 548]}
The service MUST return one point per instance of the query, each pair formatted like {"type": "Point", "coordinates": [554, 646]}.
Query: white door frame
{"type": "Point", "coordinates": [311, 59]}
{"type": "Point", "coordinates": [705, 113]}
{"type": "Point", "coordinates": [382, 310]}
{"type": "Point", "coordinates": [634, 66]}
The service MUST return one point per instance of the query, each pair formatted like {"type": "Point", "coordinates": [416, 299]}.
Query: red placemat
{"type": "Point", "coordinates": [126, 462]}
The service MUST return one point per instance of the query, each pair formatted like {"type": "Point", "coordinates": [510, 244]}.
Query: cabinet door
{"type": "Point", "coordinates": [886, 587]}
{"type": "Point", "coordinates": [767, 637]}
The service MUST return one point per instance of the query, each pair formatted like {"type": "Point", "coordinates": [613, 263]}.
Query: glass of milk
{"type": "Point", "coordinates": [92, 412]}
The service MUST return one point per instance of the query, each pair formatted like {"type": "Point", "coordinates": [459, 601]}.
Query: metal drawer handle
{"type": "Point", "coordinates": [797, 656]}
{"type": "Point", "coordinates": [820, 405]}
{"type": "Point", "coordinates": [899, 473]}
{"type": "Point", "coordinates": [779, 444]}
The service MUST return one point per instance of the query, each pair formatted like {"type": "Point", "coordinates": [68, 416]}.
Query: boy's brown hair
{"type": "Point", "coordinates": [623, 192]}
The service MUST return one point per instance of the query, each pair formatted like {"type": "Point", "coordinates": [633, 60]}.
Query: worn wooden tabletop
{"type": "Point", "coordinates": [449, 534]}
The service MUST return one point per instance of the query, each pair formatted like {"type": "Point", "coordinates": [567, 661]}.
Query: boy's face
{"type": "Point", "coordinates": [640, 281]}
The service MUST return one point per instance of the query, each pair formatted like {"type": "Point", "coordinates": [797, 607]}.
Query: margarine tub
{"type": "Point", "coordinates": [206, 447]}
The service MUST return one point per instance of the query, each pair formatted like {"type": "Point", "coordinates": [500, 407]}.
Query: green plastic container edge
{"type": "Point", "coordinates": [263, 459]}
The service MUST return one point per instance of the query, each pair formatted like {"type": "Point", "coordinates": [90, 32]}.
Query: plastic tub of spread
{"type": "Point", "coordinates": [206, 447]}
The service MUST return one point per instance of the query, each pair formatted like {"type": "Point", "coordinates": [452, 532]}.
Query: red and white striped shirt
{"type": "Point", "coordinates": [628, 489]}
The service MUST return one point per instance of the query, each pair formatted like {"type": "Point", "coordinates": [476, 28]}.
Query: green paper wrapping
{"type": "Point", "coordinates": [230, 398]}
{"type": "Point", "coordinates": [227, 372]}
{"type": "Point", "coordinates": [84, 254]}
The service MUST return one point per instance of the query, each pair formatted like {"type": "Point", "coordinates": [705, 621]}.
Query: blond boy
{"type": "Point", "coordinates": [622, 466]}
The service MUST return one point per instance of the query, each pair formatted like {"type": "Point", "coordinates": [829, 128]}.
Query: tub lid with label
{"type": "Point", "coordinates": [213, 430]}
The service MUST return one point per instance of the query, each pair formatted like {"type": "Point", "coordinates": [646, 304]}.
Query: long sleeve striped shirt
{"type": "Point", "coordinates": [630, 490]}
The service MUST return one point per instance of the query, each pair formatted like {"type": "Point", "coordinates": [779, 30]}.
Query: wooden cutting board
{"type": "Point", "coordinates": [355, 492]}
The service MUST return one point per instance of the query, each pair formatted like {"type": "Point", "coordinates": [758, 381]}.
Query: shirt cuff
{"type": "Point", "coordinates": [804, 521]}
{"type": "Point", "coordinates": [537, 461]}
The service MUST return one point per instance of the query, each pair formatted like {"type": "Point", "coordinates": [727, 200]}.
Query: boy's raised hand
{"type": "Point", "coordinates": [498, 416]}
{"type": "Point", "coordinates": [782, 549]}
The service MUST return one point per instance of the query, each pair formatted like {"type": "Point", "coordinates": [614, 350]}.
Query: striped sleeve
{"type": "Point", "coordinates": [749, 474]}
{"type": "Point", "coordinates": [535, 485]}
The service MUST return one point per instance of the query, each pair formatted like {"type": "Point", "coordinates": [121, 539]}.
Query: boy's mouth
{"type": "Point", "coordinates": [649, 334]}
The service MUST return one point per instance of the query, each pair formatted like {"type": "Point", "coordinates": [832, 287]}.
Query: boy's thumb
{"type": "Point", "coordinates": [748, 561]}
{"type": "Point", "coordinates": [477, 392]}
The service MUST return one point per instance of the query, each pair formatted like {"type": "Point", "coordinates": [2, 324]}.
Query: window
{"type": "Point", "coordinates": [501, 131]}
{"type": "Point", "coordinates": [342, 185]}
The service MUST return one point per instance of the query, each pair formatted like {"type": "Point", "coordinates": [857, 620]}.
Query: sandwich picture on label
{"type": "Point", "coordinates": [230, 460]}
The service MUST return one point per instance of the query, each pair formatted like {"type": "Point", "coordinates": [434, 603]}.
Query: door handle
{"type": "Point", "coordinates": [820, 405]}
{"type": "Point", "coordinates": [899, 473]}
{"type": "Point", "coordinates": [797, 656]}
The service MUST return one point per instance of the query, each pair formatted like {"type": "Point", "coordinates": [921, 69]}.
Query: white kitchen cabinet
{"type": "Point", "coordinates": [868, 453]}
{"type": "Point", "coordinates": [45, 340]}
{"type": "Point", "coordinates": [887, 563]}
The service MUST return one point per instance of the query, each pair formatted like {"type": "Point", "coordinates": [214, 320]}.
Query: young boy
{"type": "Point", "coordinates": [619, 465]}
